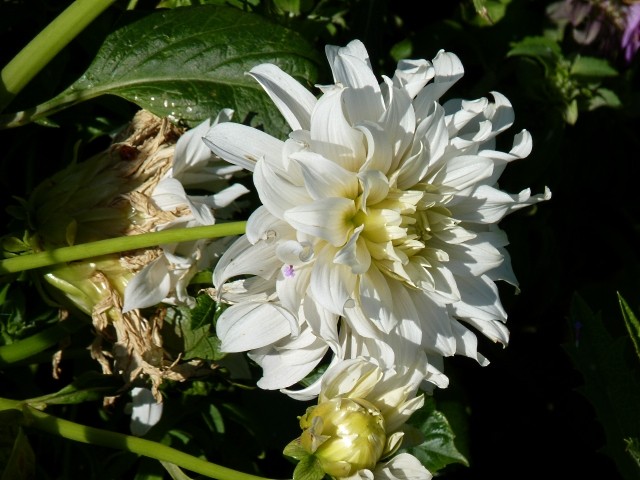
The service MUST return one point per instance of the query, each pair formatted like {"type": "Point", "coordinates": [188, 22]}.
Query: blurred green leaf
{"type": "Point", "coordinates": [489, 12]}
{"type": "Point", "coordinates": [189, 64]}
{"type": "Point", "coordinates": [609, 383]}
{"type": "Point", "coordinates": [542, 49]}
{"type": "Point", "coordinates": [592, 67]}
{"type": "Point", "coordinates": [604, 97]}
{"type": "Point", "coordinates": [435, 448]}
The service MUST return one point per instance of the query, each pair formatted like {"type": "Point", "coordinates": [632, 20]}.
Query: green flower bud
{"type": "Point", "coordinates": [344, 434]}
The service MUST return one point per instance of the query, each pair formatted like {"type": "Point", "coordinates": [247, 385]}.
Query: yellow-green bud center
{"type": "Point", "coordinates": [345, 434]}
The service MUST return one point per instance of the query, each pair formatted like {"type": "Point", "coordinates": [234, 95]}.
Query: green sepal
{"type": "Point", "coordinates": [309, 468]}
{"type": "Point", "coordinates": [294, 449]}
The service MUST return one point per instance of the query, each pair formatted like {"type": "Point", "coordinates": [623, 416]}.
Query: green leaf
{"type": "Point", "coordinates": [609, 383]}
{"type": "Point", "coordinates": [204, 312]}
{"type": "Point", "coordinates": [20, 462]}
{"type": "Point", "coordinates": [570, 113]}
{"type": "Point", "coordinates": [174, 471]}
{"type": "Point", "coordinates": [633, 448]}
{"type": "Point", "coordinates": [489, 12]}
{"type": "Point", "coordinates": [87, 387]}
{"type": "Point", "coordinates": [181, 337]}
{"type": "Point", "coordinates": [592, 67]}
{"type": "Point", "coordinates": [436, 449]}
{"type": "Point", "coordinates": [603, 97]}
{"type": "Point", "coordinates": [543, 49]}
{"type": "Point", "coordinates": [189, 63]}
{"type": "Point", "coordinates": [631, 322]}
{"type": "Point", "coordinates": [308, 468]}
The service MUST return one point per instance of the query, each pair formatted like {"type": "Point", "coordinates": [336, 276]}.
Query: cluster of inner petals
{"type": "Point", "coordinates": [395, 230]}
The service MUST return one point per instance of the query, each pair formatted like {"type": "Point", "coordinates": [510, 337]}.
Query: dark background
{"type": "Point", "coordinates": [524, 415]}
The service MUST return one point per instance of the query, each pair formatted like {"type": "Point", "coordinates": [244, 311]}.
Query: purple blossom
{"type": "Point", "coordinates": [631, 36]}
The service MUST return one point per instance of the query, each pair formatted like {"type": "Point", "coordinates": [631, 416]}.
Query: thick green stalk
{"type": "Point", "coordinates": [119, 244]}
{"type": "Point", "coordinates": [46, 45]}
{"type": "Point", "coordinates": [22, 349]}
{"type": "Point", "coordinates": [81, 433]}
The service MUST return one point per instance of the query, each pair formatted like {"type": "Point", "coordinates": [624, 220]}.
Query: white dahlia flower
{"type": "Point", "coordinates": [378, 231]}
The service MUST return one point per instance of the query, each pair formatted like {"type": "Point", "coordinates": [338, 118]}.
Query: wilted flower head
{"type": "Point", "coordinates": [136, 186]}
{"type": "Point", "coordinates": [377, 235]}
{"type": "Point", "coordinates": [356, 424]}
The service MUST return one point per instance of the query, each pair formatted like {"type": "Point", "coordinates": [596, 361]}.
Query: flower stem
{"type": "Point", "coordinates": [22, 349]}
{"type": "Point", "coordinates": [46, 45]}
{"type": "Point", "coordinates": [119, 244]}
{"type": "Point", "coordinates": [81, 433]}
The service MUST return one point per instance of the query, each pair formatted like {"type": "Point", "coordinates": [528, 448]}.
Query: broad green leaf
{"type": "Point", "coordinates": [609, 382]}
{"type": "Point", "coordinates": [205, 311]}
{"type": "Point", "coordinates": [436, 448]}
{"type": "Point", "coordinates": [17, 460]}
{"type": "Point", "coordinates": [188, 63]}
{"type": "Point", "coordinates": [631, 322]}
{"type": "Point", "coordinates": [603, 97]}
{"type": "Point", "coordinates": [180, 336]}
{"type": "Point", "coordinates": [592, 67]}
{"type": "Point", "coordinates": [87, 387]}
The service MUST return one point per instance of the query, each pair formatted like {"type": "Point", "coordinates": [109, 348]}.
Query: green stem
{"type": "Point", "coordinates": [46, 45]}
{"type": "Point", "coordinates": [22, 349]}
{"type": "Point", "coordinates": [81, 433]}
{"type": "Point", "coordinates": [120, 244]}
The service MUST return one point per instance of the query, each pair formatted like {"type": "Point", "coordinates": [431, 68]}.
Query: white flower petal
{"type": "Point", "coordinates": [293, 100]}
{"type": "Point", "coordinates": [242, 145]}
{"type": "Point", "coordinates": [462, 172]}
{"type": "Point", "coordinates": [402, 467]}
{"type": "Point", "coordinates": [146, 411]}
{"type": "Point", "coordinates": [283, 368]}
{"type": "Point", "coordinates": [324, 178]}
{"type": "Point", "coordinates": [332, 136]}
{"type": "Point", "coordinates": [331, 285]}
{"type": "Point", "coordinates": [251, 325]}
{"type": "Point", "coordinates": [329, 219]}
{"type": "Point", "coordinates": [243, 258]}
{"type": "Point", "coordinates": [448, 70]}
{"type": "Point", "coordinates": [149, 286]}
{"type": "Point", "coordinates": [277, 193]}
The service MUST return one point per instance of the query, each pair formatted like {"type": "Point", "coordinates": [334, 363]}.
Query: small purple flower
{"type": "Point", "coordinates": [631, 37]}
{"type": "Point", "coordinates": [288, 271]}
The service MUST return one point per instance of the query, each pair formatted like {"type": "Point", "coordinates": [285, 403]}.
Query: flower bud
{"type": "Point", "coordinates": [344, 434]}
